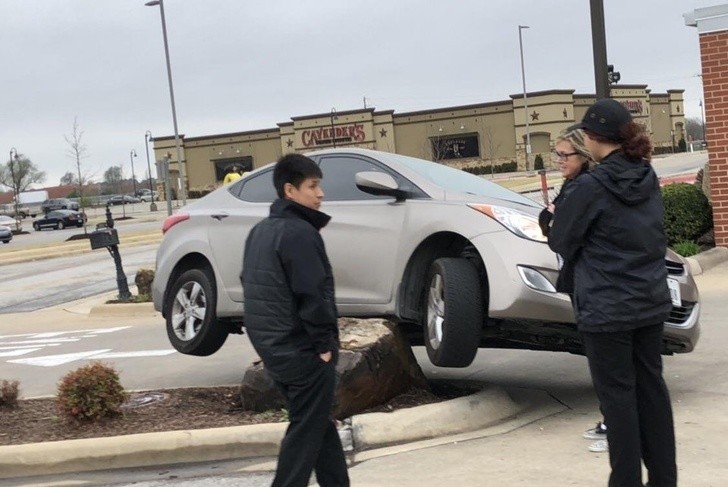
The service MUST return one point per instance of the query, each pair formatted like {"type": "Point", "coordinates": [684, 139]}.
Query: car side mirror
{"type": "Point", "coordinates": [379, 183]}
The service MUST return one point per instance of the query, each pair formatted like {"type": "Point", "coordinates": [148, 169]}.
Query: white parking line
{"type": "Point", "coordinates": [53, 360]}
{"type": "Point", "coordinates": [143, 353]}
{"type": "Point", "coordinates": [15, 353]}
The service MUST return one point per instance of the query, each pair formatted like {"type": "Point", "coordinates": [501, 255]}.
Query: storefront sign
{"type": "Point", "coordinates": [634, 106]}
{"type": "Point", "coordinates": [323, 135]}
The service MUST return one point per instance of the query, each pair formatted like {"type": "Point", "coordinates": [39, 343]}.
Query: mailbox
{"type": "Point", "coordinates": [104, 238]}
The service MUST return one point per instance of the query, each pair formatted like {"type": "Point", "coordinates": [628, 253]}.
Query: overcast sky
{"type": "Point", "coordinates": [249, 64]}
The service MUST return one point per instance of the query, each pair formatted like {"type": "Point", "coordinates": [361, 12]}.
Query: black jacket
{"type": "Point", "coordinates": [565, 281]}
{"type": "Point", "coordinates": [610, 226]}
{"type": "Point", "coordinates": [288, 287]}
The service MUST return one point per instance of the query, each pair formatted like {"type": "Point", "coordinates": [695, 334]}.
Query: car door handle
{"type": "Point", "coordinates": [219, 216]}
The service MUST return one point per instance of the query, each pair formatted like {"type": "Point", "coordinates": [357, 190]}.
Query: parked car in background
{"type": "Point", "coordinates": [9, 210]}
{"type": "Point", "coordinates": [59, 204]}
{"type": "Point", "coordinates": [122, 199]}
{"type": "Point", "coordinates": [458, 261]}
{"type": "Point", "coordinates": [6, 228]}
{"type": "Point", "coordinates": [60, 219]}
{"type": "Point", "coordinates": [147, 195]}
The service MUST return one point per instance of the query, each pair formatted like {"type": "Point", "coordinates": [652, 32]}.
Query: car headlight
{"type": "Point", "coordinates": [522, 224]}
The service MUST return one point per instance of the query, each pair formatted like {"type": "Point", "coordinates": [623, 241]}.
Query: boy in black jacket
{"type": "Point", "coordinates": [291, 319]}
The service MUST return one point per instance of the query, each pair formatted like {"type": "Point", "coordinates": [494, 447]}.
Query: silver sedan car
{"type": "Point", "coordinates": [457, 260]}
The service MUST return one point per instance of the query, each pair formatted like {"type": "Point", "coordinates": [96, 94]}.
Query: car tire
{"type": "Point", "coordinates": [6, 241]}
{"type": "Point", "coordinates": [452, 310]}
{"type": "Point", "coordinates": [60, 226]}
{"type": "Point", "coordinates": [188, 331]}
{"type": "Point", "coordinates": [36, 227]}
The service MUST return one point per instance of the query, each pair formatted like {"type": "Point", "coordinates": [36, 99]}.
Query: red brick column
{"type": "Point", "coordinates": [714, 58]}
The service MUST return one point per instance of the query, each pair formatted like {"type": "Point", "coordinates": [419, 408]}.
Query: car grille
{"type": "Point", "coordinates": [680, 314]}
{"type": "Point", "coordinates": [675, 268]}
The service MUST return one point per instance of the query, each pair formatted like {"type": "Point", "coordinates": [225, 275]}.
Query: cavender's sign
{"type": "Point", "coordinates": [322, 136]}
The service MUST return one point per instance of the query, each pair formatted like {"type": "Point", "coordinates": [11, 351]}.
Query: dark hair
{"type": "Point", "coordinates": [294, 169]}
{"type": "Point", "coordinates": [635, 143]}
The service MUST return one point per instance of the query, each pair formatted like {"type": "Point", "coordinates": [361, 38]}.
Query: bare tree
{"type": "Point", "coordinates": [77, 151]}
{"type": "Point", "coordinates": [493, 145]}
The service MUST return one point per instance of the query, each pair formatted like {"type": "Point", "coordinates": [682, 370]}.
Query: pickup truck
{"type": "Point", "coordinates": [9, 210]}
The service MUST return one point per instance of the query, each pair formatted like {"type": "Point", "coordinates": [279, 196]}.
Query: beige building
{"type": "Point", "coordinates": [469, 136]}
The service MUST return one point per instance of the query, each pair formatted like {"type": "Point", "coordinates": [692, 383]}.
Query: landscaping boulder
{"type": "Point", "coordinates": [376, 363]}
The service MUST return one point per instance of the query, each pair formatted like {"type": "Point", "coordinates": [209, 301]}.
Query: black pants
{"type": "Point", "coordinates": [311, 441]}
{"type": "Point", "coordinates": [626, 369]}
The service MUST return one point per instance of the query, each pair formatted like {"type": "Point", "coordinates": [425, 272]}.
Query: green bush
{"type": "Point", "coordinates": [90, 393]}
{"type": "Point", "coordinates": [9, 393]}
{"type": "Point", "coordinates": [686, 248]}
{"type": "Point", "coordinates": [687, 212]}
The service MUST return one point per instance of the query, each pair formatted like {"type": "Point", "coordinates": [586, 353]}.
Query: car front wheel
{"type": "Point", "coordinates": [60, 226]}
{"type": "Point", "coordinates": [453, 313]}
{"type": "Point", "coordinates": [36, 227]}
{"type": "Point", "coordinates": [192, 326]}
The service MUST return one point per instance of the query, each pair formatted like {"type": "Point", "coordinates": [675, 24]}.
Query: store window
{"type": "Point", "coordinates": [222, 165]}
{"type": "Point", "coordinates": [455, 147]}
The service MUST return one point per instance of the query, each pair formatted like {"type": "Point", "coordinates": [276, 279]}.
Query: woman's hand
{"type": "Point", "coordinates": [552, 208]}
{"type": "Point", "coordinates": [326, 356]}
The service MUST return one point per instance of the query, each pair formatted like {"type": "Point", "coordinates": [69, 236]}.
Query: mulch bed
{"type": "Point", "coordinates": [36, 420]}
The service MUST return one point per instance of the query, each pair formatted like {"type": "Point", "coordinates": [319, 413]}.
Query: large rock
{"type": "Point", "coordinates": [375, 364]}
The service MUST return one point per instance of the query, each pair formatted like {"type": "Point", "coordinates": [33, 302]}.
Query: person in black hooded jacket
{"type": "Point", "coordinates": [574, 159]}
{"type": "Point", "coordinates": [291, 320]}
{"type": "Point", "coordinates": [611, 226]}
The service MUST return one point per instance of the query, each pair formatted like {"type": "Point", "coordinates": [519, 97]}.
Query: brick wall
{"type": "Point", "coordinates": [714, 58]}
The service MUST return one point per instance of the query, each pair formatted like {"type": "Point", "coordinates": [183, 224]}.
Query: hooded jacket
{"type": "Point", "coordinates": [288, 286]}
{"type": "Point", "coordinates": [610, 226]}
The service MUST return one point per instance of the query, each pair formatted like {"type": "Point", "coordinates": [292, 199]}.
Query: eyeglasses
{"type": "Point", "coordinates": [562, 156]}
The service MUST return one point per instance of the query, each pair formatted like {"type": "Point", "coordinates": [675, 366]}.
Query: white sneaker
{"type": "Point", "coordinates": [599, 446]}
{"type": "Point", "coordinates": [599, 432]}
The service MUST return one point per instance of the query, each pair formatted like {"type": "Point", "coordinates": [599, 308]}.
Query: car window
{"type": "Point", "coordinates": [339, 182]}
{"type": "Point", "coordinates": [451, 179]}
{"type": "Point", "coordinates": [257, 188]}
{"type": "Point", "coordinates": [53, 214]}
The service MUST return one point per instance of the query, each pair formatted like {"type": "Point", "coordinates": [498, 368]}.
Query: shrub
{"type": "Point", "coordinates": [90, 393]}
{"type": "Point", "coordinates": [143, 281]}
{"type": "Point", "coordinates": [9, 393]}
{"type": "Point", "coordinates": [538, 162]}
{"type": "Point", "coordinates": [686, 248]}
{"type": "Point", "coordinates": [687, 212]}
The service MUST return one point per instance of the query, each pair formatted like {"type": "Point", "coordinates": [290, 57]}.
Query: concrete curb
{"type": "Point", "coordinates": [488, 407]}
{"type": "Point", "coordinates": [137, 310]}
{"type": "Point", "coordinates": [705, 260]}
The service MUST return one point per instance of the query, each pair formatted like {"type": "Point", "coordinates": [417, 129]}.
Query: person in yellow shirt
{"type": "Point", "coordinates": [232, 175]}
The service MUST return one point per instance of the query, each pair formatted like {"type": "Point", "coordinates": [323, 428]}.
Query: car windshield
{"type": "Point", "coordinates": [455, 180]}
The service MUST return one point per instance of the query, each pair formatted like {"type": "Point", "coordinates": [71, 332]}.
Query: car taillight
{"type": "Point", "coordinates": [171, 221]}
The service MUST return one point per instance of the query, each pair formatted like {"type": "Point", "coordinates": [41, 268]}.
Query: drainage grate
{"type": "Point", "coordinates": [144, 399]}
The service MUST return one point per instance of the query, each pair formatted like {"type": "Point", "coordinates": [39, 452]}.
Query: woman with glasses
{"type": "Point", "coordinates": [574, 159]}
{"type": "Point", "coordinates": [610, 225]}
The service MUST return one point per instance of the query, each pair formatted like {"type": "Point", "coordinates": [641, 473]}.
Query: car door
{"type": "Point", "coordinates": [246, 203]}
{"type": "Point", "coordinates": [362, 238]}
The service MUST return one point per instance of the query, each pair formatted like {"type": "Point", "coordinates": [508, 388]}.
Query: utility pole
{"type": "Point", "coordinates": [599, 46]}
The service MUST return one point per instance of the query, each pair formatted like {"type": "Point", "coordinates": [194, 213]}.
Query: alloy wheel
{"type": "Point", "coordinates": [188, 310]}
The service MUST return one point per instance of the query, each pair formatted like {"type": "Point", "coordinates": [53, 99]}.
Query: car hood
{"type": "Point", "coordinates": [529, 208]}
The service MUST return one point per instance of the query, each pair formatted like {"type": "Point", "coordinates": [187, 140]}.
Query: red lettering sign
{"type": "Point", "coordinates": [323, 136]}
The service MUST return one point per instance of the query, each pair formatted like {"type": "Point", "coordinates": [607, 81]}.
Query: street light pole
{"type": "Point", "coordinates": [525, 96]}
{"type": "Point", "coordinates": [13, 159]}
{"type": "Point", "coordinates": [132, 155]}
{"type": "Point", "coordinates": [333, 130]}
{"type": "Point", "coordinates": [180, 163]}
{"type": "Point", "coordinates": [147, 138]}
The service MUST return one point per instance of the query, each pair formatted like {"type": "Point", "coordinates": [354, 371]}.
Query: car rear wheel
{"type": "Point", "coordinates": [453, 313]}
{"type": "Point", "coordinates": [192, 326]}
{"type": "Point", "coordinates": [60, 226]}
{"type": "Point", "coordinates": [6, 241]}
